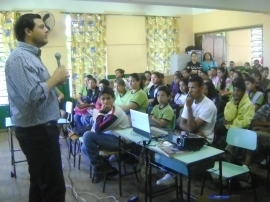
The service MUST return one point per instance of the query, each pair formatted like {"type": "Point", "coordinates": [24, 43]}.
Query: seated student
{"type": "Point", "coordinates": [210, 92]}
{"type": "Point", "coordinates": [260, 123]}
{"type": "Point", "coordinates": [83, 91]}
{"type": "Point", "coordinates": [136, 98]}
{"type": "Point", "coordinates": [120, 93]}
{"type": "Point", "coordinates": [213, 75]}
{"type": "Point", "coordinates": [120, 74]}
{"type": "Point", "coordinates": [148, 82]}
{"type": "Point", "coordinates": [256, 74]}
{"type": "Point", "coordinates": [193, 65]}
{"type": "Point", "coordinates": [254, 95]}
{"type": "Point", "coordinates": [180, 98]}
{"type": "Point", "coordinates": [208, 62]}
{"type": "Point", "coordinates": [199, 116]}
{"type": "Point", "coordinates": [162, 115]}
{"type": "Point", "coordinates": [186, 73]}
{"type": "Point", "coordinates": [265, 82]}
{"type": "Point", "coordinates": [92, 96]}
{"type": "Point", "coordinates": [237, 113]}
{"type": "Point", "coordinates": [156, 79]}
{"type": "Point", "coordinates": [204, 75]}
{"type": "Point", "coordinates": [247, 67]}
{"type": "Point", "coordinates": [223, 83]}
{"type": "Point", "coordinates": [110, 117]}
{"type": "Point", "coordinates": [175, 83]}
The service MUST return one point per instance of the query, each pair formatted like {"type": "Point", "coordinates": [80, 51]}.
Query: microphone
{"type": "Point", "coordinates": [58, 57]}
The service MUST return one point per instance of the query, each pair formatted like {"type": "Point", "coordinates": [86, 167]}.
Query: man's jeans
{"type": "Point", "coordinates": [40, 144]}
{"type": "Point", "coordinates": [93, 142]}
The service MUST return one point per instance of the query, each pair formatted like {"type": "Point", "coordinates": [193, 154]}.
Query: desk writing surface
{"type": "Point", "coordinates": [203, 153]}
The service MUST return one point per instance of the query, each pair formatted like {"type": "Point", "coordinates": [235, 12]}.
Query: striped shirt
{"type": "Point", "coordinates": [31, 102]}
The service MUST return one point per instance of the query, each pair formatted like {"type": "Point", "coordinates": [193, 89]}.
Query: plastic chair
{"type": "Point", "coordinates": [241, 138]}
{"type": "Point", "coordinates": [66, 121]}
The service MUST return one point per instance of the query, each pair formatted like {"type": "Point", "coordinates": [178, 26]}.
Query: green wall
{"type": "Point", "coordinates": [4, 109]}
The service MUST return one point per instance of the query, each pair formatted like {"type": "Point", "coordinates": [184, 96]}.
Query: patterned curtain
{"type": "Point", "coordinates": [162, 41]}
{"type": "Point", "coordinates": [7, 21]}
{"type": "Point", "coordinates": [88, 48]}
{"type": "Point", "coordinates": [8, 43]}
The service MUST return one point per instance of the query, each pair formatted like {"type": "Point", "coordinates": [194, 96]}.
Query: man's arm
{"type": "Point", "coordinates": [28, 82]}
{"type": "Point", "coordinates": [191, 125]}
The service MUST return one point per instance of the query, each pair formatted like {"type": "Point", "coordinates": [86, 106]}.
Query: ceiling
{"type": "Point", "coordinates": [139, 7]}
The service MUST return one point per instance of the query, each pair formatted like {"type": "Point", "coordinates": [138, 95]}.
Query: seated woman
{"type": "Point", "coordinates": [120, 93]}
{"type": "Point", "coordinates": [156, 79]}
{"type": "Point", "coordinates": [90, 100]}
{"type": "Point", "coordinates": [180, 98]}
{"type": "Point", "coordinates": [256, 74]}
{"type": "Point", "coordinates": [162, 115]}
{"type": "Point", "coordinates": [120, 74]}
{"type": "Point", "coordinates": [208, 62]}
{"type": "Point", "coordinates": [148, 82]}
{"type": "Point", "coordinates": [265, 82]}
{"type": "Point", "coordinates": [136, 97]}
{"type": "Point", "coordinates": [210, 92]}
{"type": "Point", "coordinates": [110, 117]}
{"type": "Point", "coordinates": [175, 83]}
{"type": "Point", "coordinates": [254, 95]}
{"type": "Point", "coordinates": [213, 75]}
{"type": "Point", "coordinates": [223, 83]}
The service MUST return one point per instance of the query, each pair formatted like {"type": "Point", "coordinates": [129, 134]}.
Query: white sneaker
{"type": "Point", "coordinates": [166, 180]}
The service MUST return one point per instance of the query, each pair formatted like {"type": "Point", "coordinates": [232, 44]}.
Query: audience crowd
{"type": "Point", "coordinates": [203, 98]}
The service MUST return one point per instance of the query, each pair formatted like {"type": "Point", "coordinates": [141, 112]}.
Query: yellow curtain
{"type": "Point", "coordinates": [88, 48]}
{"type": "Point", "coordinates": [7, 21]}
{"type": "Point", "coordinates": [162, 41]}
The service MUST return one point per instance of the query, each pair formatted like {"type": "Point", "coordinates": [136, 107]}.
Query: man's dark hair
{"type": "Point", "coordinates": [105, 82]}
{"type": "Point", "coordinates": [196, 79]}
{"type": "Point", "coordinates": [165, 89]}
{"type": "Point", "coordinates": [107, 90]}
{"type": "Point", "coordinates": [187, 70]}
{"type": "Point", "coordinates": [240, 84]}
{"type": "Point", "coordinates": [25, 21]}
{"type": "Point", "coordinates": [93, 79]}
{"type": "Point", "coordinates": [88, 76]}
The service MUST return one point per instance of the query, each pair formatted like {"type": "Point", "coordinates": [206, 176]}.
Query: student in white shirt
{"type": "Point", "coordinates": [199, 116]}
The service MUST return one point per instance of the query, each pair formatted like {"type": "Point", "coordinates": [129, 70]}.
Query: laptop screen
{"type": "Point", "coordinates": [140, 123]}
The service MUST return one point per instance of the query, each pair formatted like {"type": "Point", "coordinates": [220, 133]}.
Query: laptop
{"type": "Point", "coordinates": [140, 124]}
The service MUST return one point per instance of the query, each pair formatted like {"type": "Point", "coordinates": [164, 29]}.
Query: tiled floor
{"type": "Point", "coordinates": [16, 190]}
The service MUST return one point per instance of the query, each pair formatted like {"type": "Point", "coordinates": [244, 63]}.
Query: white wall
{"type": "Point", "coordinates": [239, 46]}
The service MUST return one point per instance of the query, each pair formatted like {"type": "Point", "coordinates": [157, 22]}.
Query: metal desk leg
{"type": "Point", "coordinates": [149, 179]}
{"type": "Point", "coordinates": [12, 174]}
{"type": "Point", "coordinates": [146, 164]}
{"type": "Point", "coordinates": [188, 188]}
{"type": "Point", "coordinates": [220, 175]}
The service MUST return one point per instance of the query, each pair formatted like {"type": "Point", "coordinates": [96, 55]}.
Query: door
{"type": "Point", "coordinates": [216, 45]}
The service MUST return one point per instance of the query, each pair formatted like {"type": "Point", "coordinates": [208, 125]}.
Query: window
{"type": "Point", "coordinates": [3, 58]}
{"type": "Point", "coordinates": [257, 44]}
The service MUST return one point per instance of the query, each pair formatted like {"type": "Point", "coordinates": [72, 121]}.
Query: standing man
{"type": "Point", "coordinates": [35, 109]}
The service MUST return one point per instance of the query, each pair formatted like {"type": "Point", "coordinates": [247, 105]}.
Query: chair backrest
{"type": "Point", "coordinates": [242, 138]}
{"type": "Point", "coordinates": [69, 110]}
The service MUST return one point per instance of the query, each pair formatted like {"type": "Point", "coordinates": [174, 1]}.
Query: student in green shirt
{"type": "Point", "coordinates": [136, 98]}
{"type": "Point", "coordinates": [120, 93]}
{"type": "Point", "coordinates": [254, 95]}
{"type": "Point", "coordinates": [162, 115]}
{"type": "Point", "coordinates": [83, 91]}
